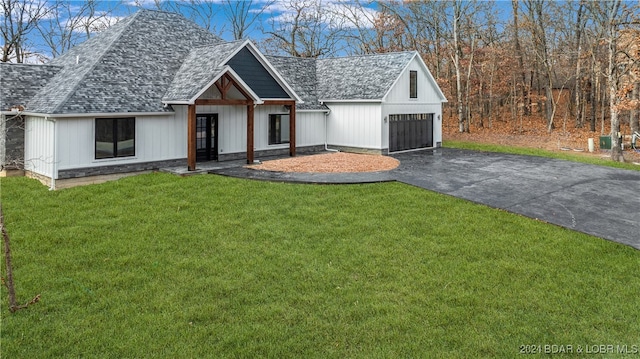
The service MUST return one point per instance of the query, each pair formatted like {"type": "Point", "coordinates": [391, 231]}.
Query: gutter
{"type": "Point", "coordinates": [326, 145]}
{"type": "Point", "coordinates": [54, 164]}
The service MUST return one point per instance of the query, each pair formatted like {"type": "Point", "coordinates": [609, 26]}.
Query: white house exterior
{"type": "Point", "coordinates": [155, 90]}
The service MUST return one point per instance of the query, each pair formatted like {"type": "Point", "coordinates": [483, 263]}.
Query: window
{"type": "Point", "coordinates": [278, 129]}
{"type": "Point", "coordinates": [115, 137]}
{"type": "Point", "coordinates": [413, 84]}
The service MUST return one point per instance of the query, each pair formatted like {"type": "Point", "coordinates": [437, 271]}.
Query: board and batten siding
{"type": "Point", "coordinates": [427, 92]}
{"type": "Point", "coordinates": [232, 127]}
{"type": "Point", "coordinates": [309, 128]}
{"type": "Point", "coordinates": [398, 100]}
{"type": "Point", "coordinates": [158, 138]}
{"type": "Point", "coordinates": [354, 124]}
{"type": "Point", "coordinates": [38, 146]}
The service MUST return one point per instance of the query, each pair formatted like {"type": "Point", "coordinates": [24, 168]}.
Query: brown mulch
{"type": "Point", "coordinates": [330, 163]}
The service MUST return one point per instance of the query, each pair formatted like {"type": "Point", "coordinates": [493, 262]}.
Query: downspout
{"type": "Point", "coordinates": [54, 164]}
{"type": "Point", "coordinates": [326, 145]}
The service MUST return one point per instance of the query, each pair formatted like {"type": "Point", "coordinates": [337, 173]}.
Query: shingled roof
{"type": "Point", "coordinates": [154, 57]}
{"type": "Point", "coordinates": [366, 77]}
{"type": "Point", "coordinates": [300, 73]}
{"type": "Point", "coordinates": [199, 68]}
{"type": "Point", "coordinates": [20, 82]}
{"type": "Point", "coordinates": [126, 68]}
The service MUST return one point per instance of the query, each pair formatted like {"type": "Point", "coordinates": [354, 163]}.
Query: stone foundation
{"type": "Point", "coordinates": [118, 169]}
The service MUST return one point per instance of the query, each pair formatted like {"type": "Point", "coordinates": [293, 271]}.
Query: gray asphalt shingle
{"type": "Point", "coordinates": [126, 68]}
{"type": "Point", "coordinates": [300, 73]}
{"type": "Point", "coordinates": [20, 82]}
{"type": "Point", "coordinates": [155, 56]}
{"type": "Point", "coordinates": [199, 68]}
{"type": "Point", "coordinates": [366, 77]}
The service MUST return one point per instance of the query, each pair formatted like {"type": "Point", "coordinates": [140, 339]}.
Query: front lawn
{"type": "Point", "coordinates": [207, 266]}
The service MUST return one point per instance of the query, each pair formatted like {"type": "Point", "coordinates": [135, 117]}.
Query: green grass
{"type": "Point", "coordinates": [541, 153]}
{"type": "Point", "coordinates": [206, 266]}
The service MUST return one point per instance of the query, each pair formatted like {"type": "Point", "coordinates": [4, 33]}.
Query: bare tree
{"type": "Point", "coordinates": [19, 18]}
{"type": "Point", "coordinates": [305, 29]}
{"type": "Point", "coordinates": [71, 23]}
{"type": "Point", "coordinates": [518, 52]}
{"type": "Point", "coordinates": [579, 29]}
{"type": "Point", "coordinates": [202, 12]}
{"type": "Point", "coordinates": [360, 33]}
{"type": "Point", "coordinates": [610, 16]}
{"type": "Point", "coordinates": [242, 15]}
{"type": "Point", "coordinates": [611, 12]}
{"type": "Point", "coordinates": [538, 26]}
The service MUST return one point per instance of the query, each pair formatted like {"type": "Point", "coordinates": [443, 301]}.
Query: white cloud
{"type": "Point", "coordinates": [350, 14]}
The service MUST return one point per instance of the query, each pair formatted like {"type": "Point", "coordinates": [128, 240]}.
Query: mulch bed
{"type": "Point", "coordinates": [337, 162]}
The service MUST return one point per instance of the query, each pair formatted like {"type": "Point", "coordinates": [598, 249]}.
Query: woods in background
{"type": "Point", "coordinates": [495, 61]}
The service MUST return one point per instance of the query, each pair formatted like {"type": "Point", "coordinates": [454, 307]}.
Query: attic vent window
{"type": "Point", "coordinates": [413, 84]}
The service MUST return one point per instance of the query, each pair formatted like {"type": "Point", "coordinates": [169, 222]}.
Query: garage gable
{"type": "Point", "coordinates": [415, 84]}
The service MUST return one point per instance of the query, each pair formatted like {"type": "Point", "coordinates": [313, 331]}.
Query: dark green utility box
{"type": "Point", "coordinates": [605, 142]}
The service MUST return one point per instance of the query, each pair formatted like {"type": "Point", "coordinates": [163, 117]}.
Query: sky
{"type": "Point", "coordinates": [212, 14]}
{"type": "Point", "coordinates": [265, 10]}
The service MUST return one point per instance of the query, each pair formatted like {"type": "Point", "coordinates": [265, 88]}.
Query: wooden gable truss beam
{"type": "Point", "coordinates": [224, 85]}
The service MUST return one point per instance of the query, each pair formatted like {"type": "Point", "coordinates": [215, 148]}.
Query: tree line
{"type": "Point", "coordinates": [487, 56]}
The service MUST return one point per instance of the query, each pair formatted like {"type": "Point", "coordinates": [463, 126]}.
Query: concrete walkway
{"type": "Point", "coordinates": [597, 200]}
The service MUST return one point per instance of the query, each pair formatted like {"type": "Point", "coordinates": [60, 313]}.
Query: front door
{"type": "Point", "coordinates": [207, 137]}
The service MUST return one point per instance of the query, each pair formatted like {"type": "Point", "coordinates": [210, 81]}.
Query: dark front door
{"type": "Point", "coordinates": [207, 137]}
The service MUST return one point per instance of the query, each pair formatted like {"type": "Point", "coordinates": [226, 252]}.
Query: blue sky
{"type": "Point", "coordinates": [212, 14]}
{"type": "Point", "coordinates": [271, 11]}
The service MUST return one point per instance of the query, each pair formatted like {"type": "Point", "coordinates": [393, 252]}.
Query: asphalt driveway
{"type": "Point", "coordinates": [597, 200]}
{"type": "Point", "coordinates": [601, 201]}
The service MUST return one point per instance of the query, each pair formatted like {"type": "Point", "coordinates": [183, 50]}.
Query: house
{"type": "Point", "coordinates": [156, 90]}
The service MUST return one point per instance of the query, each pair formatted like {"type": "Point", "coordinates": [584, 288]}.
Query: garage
{"type": "Point", "coordinates": [410, 131]}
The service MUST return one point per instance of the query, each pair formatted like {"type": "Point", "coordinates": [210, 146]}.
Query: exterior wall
{"type": "Point", "coordinates": [38, 146]}
{"type": "Point", "coordinates": [161, 141]}
{"type": "Point", "coordinates": [158, 138]}
{"type": "Point", "coordinates": [232, 128]}
{"type": "Point", "coordinates": [309, 128]}
{"type": "Point", "coordinates": [428, 101]}
{"type": "Point", "coordinates": [358, 125]}
{"type": "Point", "coordinates": [11, 142]}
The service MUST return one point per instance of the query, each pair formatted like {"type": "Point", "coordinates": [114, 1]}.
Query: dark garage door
{"type": "Point", "coordinates": [409, 131]}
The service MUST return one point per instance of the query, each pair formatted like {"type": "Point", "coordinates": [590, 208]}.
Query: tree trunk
{"type": "Point", "coordinates": [595, 85]}
{"type": "Point", "coordinates": [633, 116]}
{"type": "Point", "coordinates": [578, 83]}
{"type": "Point", "coordinates": [456, 64]}
{"type": "Point", "coordinates": [523, 84]}
{"type": "Point", "coordinates": [612, 82]}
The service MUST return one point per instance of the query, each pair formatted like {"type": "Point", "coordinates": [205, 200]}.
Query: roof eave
{"type": "Point", "coordinates": [92, 114]}
{"type": "Point", "coordinates": [351, 100]}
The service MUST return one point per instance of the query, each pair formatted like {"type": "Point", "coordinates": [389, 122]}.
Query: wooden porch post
{"type": "Point", "coordinates": [292, 129]}
{"type": "Point", "coordinates": [250, 134]}
{"type": "Point", "coordinates": [191, 138]}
